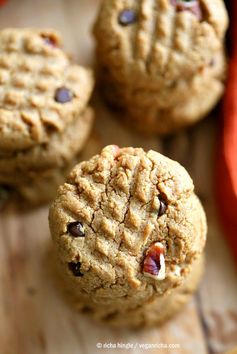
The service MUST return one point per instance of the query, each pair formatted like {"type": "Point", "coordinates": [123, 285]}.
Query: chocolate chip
{"type": "Point", "coordinates": [75, 269]}
{"type": "Point", "coordinates": [127, 17]}
{"type": "Point", "coordinates": [76, 229]}
{"type": "Point", "coordinates": [162, 208]}
{"type": "Point", "coordinates": [63, 95]}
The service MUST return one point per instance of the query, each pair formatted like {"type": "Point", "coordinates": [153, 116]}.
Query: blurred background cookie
{"type": "Point", "coordinates": [161, 63]}
{"type": "Point", "coordinates": [44, 118]}
{"type": "Point", "coordinates": [127, 228]}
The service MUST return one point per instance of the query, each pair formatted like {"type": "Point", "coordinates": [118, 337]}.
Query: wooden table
{"type": "Point", "coordinates": [33, 317]}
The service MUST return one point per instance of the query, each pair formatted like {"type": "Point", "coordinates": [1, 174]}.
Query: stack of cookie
{"type": "Point", "coordinates": [162, 62]}
{"type": "Point", "coordinates": [129, 234]}
{"type": "Point", "coordinates": [44, 117]}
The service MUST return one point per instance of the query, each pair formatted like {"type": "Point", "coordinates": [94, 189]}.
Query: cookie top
{"type": "Point", "coordinates": [41, 89]}
{"type": "Point", "coordinates": [128, 223]}
{"type": "Point", "coordinates": [165, 39]}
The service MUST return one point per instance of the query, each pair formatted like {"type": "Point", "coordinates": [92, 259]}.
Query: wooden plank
{"type": "Point", "coordinates": [218, 293]}
{"type": "Point", "coordinates": [33, 317]}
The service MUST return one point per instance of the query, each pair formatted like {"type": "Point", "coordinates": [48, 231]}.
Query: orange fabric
{"type": "Point", "coordinates": [226, 186]}
{"type": "Point", "coordinates": [230, 124]}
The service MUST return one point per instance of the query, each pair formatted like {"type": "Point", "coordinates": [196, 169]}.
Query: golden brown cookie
{"type": "Point", "coordinates": [35, 187]}
{"type": "Point", "coordinates": [42, 189]}
{"type": "Point", "coordinates": [44, 115]}
{"type": "Point", "coordinates": [127, 228]}
{"type": "Point", "coordinates": [17, 167]}
{"type": "Point", "coordinates": [161, 62]}
{"type": "Point", "coordinates": [41, 89]}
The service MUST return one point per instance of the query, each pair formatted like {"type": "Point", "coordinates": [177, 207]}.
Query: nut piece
{"type": "Point", "coordinates": [116, 150]}
{"type": "Point", "coordinates": [154, 262]}
{"type": "Point", "coordinates": [192, 6]}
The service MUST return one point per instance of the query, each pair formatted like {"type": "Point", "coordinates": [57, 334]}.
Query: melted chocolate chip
{"type": "Point", "coordinates": [127, 17]}
{"type": "Point", "coordinates": [76, 229]}
{"type": "Point", "coordinates": [63, 95]}
{"type": "Point", "coordinates": [75, 269]}
{"type": "Point", "coordinates": [162, 208]}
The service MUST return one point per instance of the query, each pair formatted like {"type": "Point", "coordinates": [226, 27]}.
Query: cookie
{"type": "Point", "coordinates": [45, 119]}
{"type": "Point", "coordinates": [154, 312]}
{"type": "Point", "coordinates": [41, 89]}
{"type": "Point", "coordinates": [127, 228]}
{"type": "Point", "coordinates": [17, 167]}
{"type": "Point", "coordinates": [34, 191]}
{"type": "Point", "coordinates": [161, 63]}
{"type": "Point", "coordinates": [41, 190]}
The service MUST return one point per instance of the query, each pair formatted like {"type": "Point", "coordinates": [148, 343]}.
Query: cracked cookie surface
{"type": "Point", "coordinates": [126, 200]}
{"type": "Point", "coordinates": [45, 119]}
{"type": "Point", "coordinates": [41, 89]}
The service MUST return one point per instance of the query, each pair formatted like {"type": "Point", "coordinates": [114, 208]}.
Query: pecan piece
{"type": "Point", "coordinates": [154, 261]}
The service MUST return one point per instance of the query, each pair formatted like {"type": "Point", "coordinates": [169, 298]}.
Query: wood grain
{"type": "Point", "coordinates": [33, 317]}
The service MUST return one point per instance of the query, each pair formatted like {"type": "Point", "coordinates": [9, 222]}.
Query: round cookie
{"type": "Point", "coordinates": [162, 63]}
{"type": "Point", "coordinates": [44, 116]}
{"type": "Point", "coordinates": [41, 89]}
{"type": "Point", "coordinates": [16, 168]}
{"type": "Point", "coordinates": [127, 228]}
